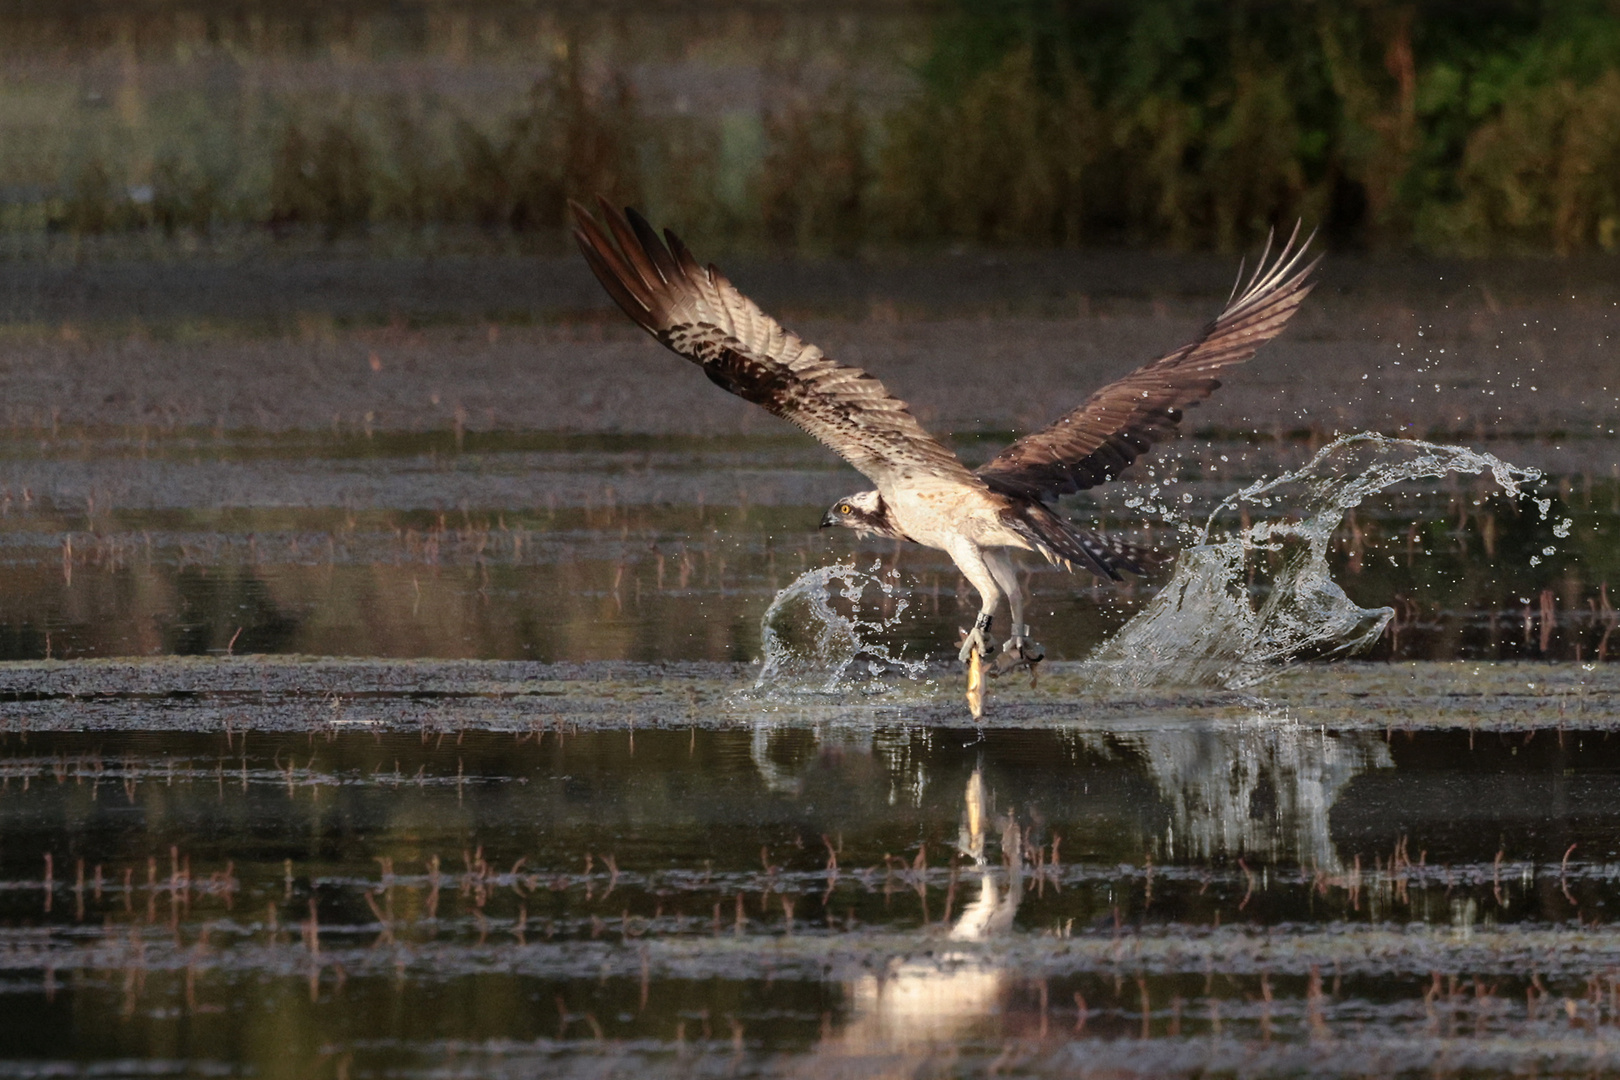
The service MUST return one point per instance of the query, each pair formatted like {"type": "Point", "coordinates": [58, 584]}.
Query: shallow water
{"type": "Point", "coordinates": [306, 867]}
{"type": "Point", "coordinates": [246, 828]}
{"type": "Point", "coordinates": [582, 548]}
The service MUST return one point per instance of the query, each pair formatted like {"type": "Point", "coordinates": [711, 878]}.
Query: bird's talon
{"type": "Point", "coordinates": [1019, 651]}
{"type": "Point", "coordinates": [1029, 652]}
{"type": "Point", "coordinates": [975, 639]}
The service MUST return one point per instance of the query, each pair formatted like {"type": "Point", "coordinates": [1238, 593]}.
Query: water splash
{"type": "Point", "coordinates": [1204, 629]}
{"type": "Point", "coordinates": [819, 628]}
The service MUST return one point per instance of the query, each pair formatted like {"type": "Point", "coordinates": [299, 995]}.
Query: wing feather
{"type": "Point", "coordinates": [1116, 425]}
{"type": "Point", "coordinates": [699, 314]}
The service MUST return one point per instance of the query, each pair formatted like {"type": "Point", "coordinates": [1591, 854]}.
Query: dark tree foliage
{"type": "Point", "coordinates": [1386, 122]}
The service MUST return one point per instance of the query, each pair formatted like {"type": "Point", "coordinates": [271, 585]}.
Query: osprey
{"type": "Point", "coordinates": [924, 494]}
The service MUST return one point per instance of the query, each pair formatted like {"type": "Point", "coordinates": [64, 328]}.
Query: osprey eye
{"type": "Point", "coordinates": [845, 509]}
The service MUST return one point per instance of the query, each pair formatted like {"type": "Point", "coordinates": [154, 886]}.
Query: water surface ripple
{"type": "Point", "coordinates": [403, 868]}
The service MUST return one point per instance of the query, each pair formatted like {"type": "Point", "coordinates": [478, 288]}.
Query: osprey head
{"type": "Point", "coordinates": [865, 512]}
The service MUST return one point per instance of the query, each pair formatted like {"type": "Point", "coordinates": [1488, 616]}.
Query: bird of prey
{"type": "Point", "coordinates": [923, 493]}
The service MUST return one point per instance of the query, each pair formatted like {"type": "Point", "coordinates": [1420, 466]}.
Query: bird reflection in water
{"type": "Point", "coordinates": [917, 1005]}
{"type": "Point", "coordinates": [992, 913]}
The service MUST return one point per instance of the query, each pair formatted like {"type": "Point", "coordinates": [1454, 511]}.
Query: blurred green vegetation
{"type": "Point", "coordinates": [1186, 123]}
{"type": "Point", "coordinates": [1443, 125]}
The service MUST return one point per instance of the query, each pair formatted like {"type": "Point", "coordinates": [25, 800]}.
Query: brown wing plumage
{"type": "Point", "coordinates": [1118, 423]}
{"type": "Point", "coordinates": [697, 313]}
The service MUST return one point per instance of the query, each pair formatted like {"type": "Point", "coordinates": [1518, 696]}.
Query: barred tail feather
{"type": "Point", "coordinates": [1060, 542]}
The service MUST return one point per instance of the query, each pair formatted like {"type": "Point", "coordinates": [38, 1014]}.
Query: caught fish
{"type": "Point", "coordinates": [975, 684]}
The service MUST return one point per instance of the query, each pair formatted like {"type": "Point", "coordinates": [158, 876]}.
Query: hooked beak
{"type": "Point", "coordinates": [827, 520]}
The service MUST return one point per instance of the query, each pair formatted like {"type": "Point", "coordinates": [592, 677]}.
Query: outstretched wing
{"type": "Point", "coordinates": [1118, 423]}
{"type": "Point", "coordinates": [697, 313]}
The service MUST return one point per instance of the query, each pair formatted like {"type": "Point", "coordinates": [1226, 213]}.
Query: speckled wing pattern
{"type": "Point", "coordinates": [699, 314]}
{"type": "Point", "coordinates": [1117, 424]}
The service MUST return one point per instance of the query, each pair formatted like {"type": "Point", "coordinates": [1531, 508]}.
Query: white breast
{"type": "Point", "coordinates": [933, 514]}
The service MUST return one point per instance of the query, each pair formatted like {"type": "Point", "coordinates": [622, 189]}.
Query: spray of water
{"type": "Point", "coordinates": [818, 630]}
{"type": "Point", "coordinates": [1204, 629]}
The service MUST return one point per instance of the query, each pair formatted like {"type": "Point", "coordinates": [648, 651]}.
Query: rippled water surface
{"type": "Point", "coordinates": [296, 868]}
{"type": "Point", "coordinates": [644, 548]}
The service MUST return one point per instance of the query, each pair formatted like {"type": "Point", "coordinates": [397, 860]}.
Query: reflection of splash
{"type": "Point", "coordinates": [780, 752]}
{"type": "Point", "coordinates": [1203, 628]}
{"type": "Point", "coordinates": [810, 643]}
{"type": "Point", "coordinates": [1263, 788]}
{"type": "Point", "coordinates": [913, 1005]}
{"type": "Point", "coordinates": [777, 777]}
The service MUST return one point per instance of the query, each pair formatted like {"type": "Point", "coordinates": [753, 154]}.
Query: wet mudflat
{"type": "Point", "coordinates": [295, 867]}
